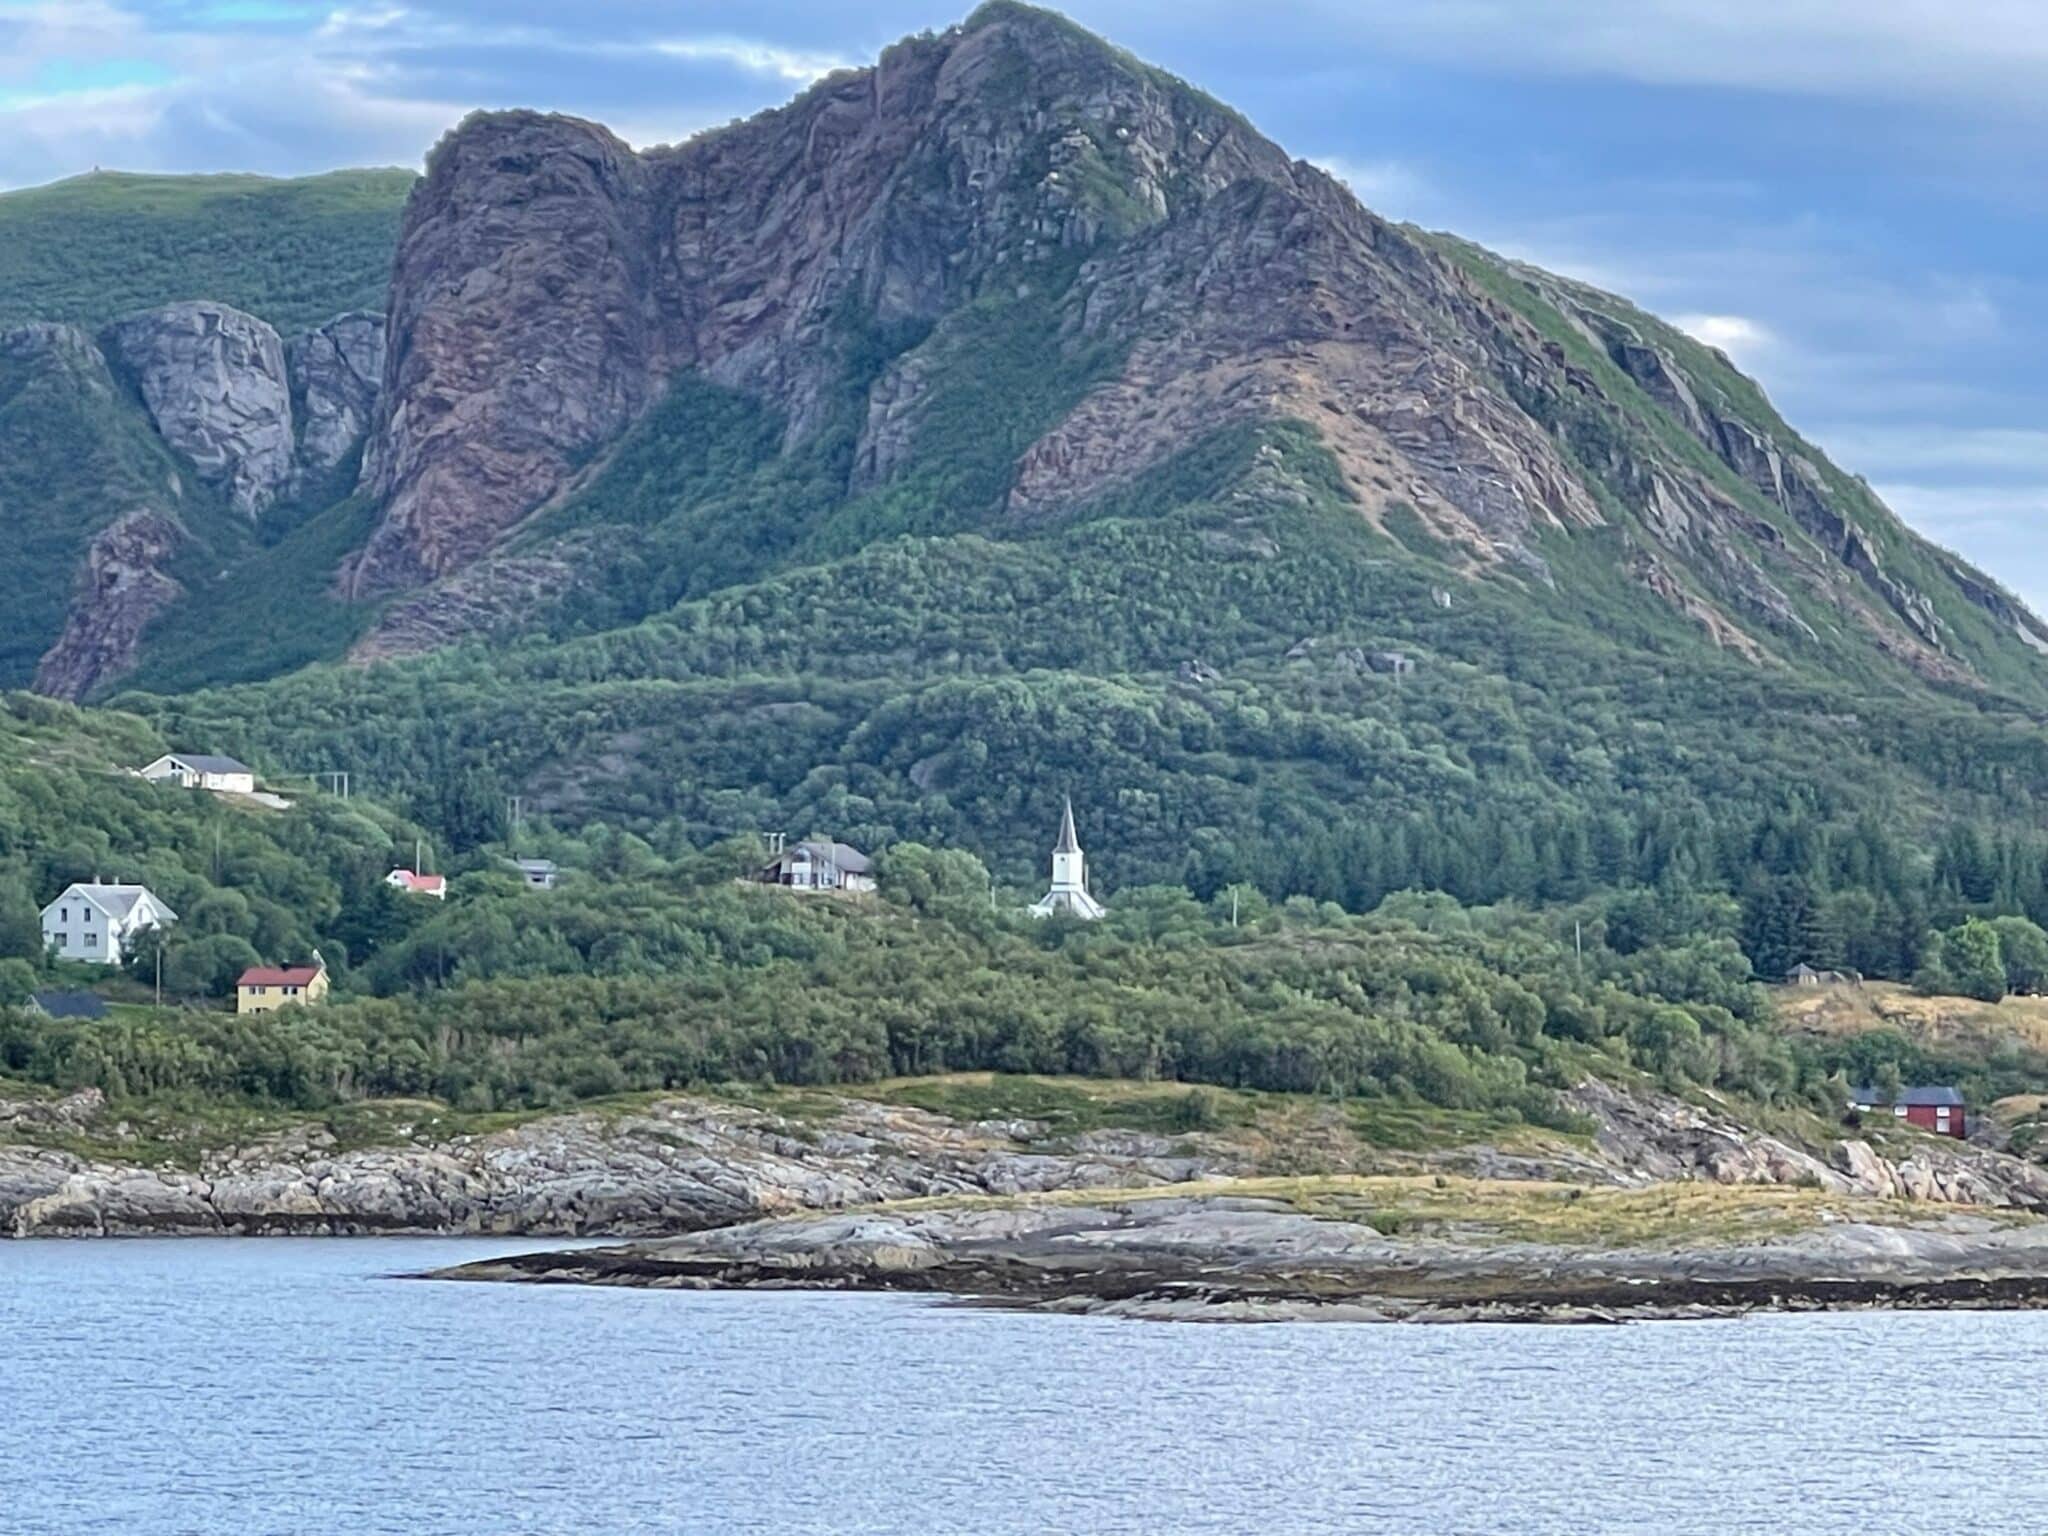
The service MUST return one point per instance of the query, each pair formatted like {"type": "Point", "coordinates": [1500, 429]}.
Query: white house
{"type": "Point", "coordinates": [416, 884]}
{"type": "Point", "coordinates": [223, 775]}
{"type": "Point", "coordinates": [539, 874]}
{"type": "Point", "coordinates": [96, 923]}
{"type": "Point", "coordinates": [1069, 893]}
{"type": "Point", "coordinates": [819, 866]}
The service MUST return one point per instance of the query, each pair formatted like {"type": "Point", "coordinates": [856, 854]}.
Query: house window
{"type": "Point", "coordinates": [92, 941]}
{"type": "Point", "coordinates": [1899, 1110]}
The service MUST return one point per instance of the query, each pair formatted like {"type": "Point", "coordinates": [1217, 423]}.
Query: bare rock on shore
{"type": "Point", "coordinates": [1220, 1257]}
{"type": "Point", "coordinates": [677, 1166]}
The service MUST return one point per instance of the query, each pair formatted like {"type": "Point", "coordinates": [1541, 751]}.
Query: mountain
{"type": "Point", "coordinates": [1011, 418]}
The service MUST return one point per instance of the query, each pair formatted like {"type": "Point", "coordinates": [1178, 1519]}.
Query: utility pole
{"type": "Point", "coordinates": [1233, 906]}
{"type": "Point", "coordinates": [160, 973]}
{"type": "Point", "coordinates": [1579, 946]}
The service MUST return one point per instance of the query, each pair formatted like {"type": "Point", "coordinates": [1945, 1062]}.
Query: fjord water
{"type": "Point", "coordinates": [234, 1388]}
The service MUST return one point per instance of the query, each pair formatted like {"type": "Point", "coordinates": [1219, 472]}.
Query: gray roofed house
{"type": "Point", "coordinates": [94, 922]}
{"type": "Point", "coordinates": [541, 874]}
{"type": "Point", "coordinates": [819, 865]}
{"type": "Point", "coordinates": [202, 770]}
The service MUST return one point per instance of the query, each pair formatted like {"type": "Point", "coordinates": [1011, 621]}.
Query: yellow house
{"type": "Point", "coordinates": [262, 988]}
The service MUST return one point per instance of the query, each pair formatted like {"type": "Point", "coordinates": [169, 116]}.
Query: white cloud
{"type": "Point", "coordinates": [1742, 338]}
{"type": "Point", "coordinates": [793, 65]}
{"type": "Point", "coordinates": [1920, 49]}
{"type": "Point", "coordinates": [1390, 187]}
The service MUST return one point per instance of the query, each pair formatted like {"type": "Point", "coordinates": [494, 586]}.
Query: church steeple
{"type": "Point", "coordinates": [1069, 891]}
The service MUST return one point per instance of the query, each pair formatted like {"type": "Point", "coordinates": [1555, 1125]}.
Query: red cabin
{"type": "Point", "coordinates": [1939, 1110]}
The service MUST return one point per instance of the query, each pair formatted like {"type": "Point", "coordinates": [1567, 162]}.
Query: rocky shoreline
{"type": "Point", "coordinates": [1230, 1258]}
{"type": "Point", "coordinates": [677, 1165]}
{"type": "Point", "coordinates": [1667, 1209]}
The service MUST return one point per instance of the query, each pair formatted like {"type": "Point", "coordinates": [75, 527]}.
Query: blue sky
{"type": "Point", "coordinates": [1847, 195]}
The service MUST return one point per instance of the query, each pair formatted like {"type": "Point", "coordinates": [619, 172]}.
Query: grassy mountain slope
{"type": "Point", "coordinates": [293, 252]}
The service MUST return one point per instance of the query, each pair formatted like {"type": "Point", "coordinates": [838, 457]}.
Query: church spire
{"type": "Point", "coordinates": [1069, 893]}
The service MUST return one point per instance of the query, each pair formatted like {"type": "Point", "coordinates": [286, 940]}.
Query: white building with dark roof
{"type": "Point", "coordinates": [97, 923]}
{"type": "Point", "coordinates": [1069, 893]}
{"type": "Point", "coordinates": [198, 770]}
{"type": "Point", "coordinates": [817, 865]}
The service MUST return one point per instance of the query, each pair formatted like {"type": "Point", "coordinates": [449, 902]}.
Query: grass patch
{"type": "Point", "coordinates": [1478, 1211]}
{"type": "Point", "coordinates": [1071, 1106]}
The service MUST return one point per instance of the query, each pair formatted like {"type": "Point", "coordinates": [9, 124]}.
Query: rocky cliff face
{"type": "Point", "coordinates": [550, 281]}
{"type": "Point", "coordinates": [257, 420]}
{"type": "Point", "coordinates": [213, 380]}
{"type": "Point", "coordinates": [335, 373]}
{"type": "Point", "coordinates": [121, 587]}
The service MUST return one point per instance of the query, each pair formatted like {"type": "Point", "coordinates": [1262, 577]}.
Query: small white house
{"type": "Point", "coordinates": [539, 874]}
{"type": "Point", "coordinates": [96, 923]}
{"type": "Point", "coordinates": [222, 775]}
{"type": "Point", "coordinates": [819, 866]}
{"type": "Point", "coordinates": [416, 884]}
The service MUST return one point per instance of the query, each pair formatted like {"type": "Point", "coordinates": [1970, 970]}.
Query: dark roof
{"type": "Point", "coordinates": [205, 764]}
{"type": "Point", "coordinates": [849, 859]}
{"type": "Point", "coordinates": [1068, 843]}
{"type": "Point", "coordinates": [1912, 1098]}
{"type": "Point", "coordinates": [70, 1005]}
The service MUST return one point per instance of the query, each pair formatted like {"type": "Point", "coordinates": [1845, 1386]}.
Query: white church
{"type": "Point", "coordinates": [1069, 893]}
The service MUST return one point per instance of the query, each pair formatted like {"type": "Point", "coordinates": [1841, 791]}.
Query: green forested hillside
{"type": "Point", "coordinates": [293, 252]}
{"type": "Point", "coordinates": [951, 689]}
{"type": "Point", "coordinates": [248, 883]}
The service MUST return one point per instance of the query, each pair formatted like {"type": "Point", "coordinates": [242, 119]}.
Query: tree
{"type": "Point", "coordinates": [1970, 959]}
{"type": "Point", "coordinates": [2023, 947]}
{"type": "Point", "coordinates": [17, 981]}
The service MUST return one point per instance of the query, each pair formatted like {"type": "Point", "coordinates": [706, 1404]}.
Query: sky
{"type": "Point", "coordinates": [1847, 196]}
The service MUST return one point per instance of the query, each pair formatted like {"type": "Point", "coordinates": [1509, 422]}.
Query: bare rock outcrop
{"type": "Point", "coordinates": [214, 382]}
{"type": "Point", "coordinates": [521, 336]}
{"type": "Point", "coordinates": [679, 1166]}
{"type": "Point", "coordinates": [336, 371]}
{"type": "Point", "coordinates": [122, 586]}
{"type": "Point", "coordinates": [1649, 1136]}
{"type": "Point", "coordinates": [549, 279]}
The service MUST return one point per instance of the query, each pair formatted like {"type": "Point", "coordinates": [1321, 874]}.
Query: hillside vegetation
{"type": "Point", "coordinates": [293, 252]}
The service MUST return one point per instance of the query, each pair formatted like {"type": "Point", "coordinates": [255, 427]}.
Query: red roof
{"type": "Point", "coordinates": [413, 882]}
{"type": "Point", "coordinates": [279, 976]}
